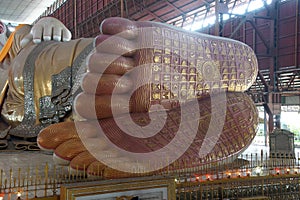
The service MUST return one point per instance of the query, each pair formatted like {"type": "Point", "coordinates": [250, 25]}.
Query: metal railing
{"type": "Point", "coordinates": [249, 175]}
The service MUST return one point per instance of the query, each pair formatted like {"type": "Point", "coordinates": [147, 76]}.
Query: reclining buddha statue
{"type": "Point", "coordinates": [140, 97]}
{"type": "Point", "coordinates": [28, 61]}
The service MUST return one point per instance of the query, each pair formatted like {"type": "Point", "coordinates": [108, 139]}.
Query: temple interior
{"type": "Point", "coordinates": [157, 99]}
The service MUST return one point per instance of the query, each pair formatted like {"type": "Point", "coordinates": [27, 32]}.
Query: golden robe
{"type": "Point", "coordinates": [30, 75]}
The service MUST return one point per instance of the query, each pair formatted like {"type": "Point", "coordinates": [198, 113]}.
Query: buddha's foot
{"type": "Point", "coordinates": [157, 97]}
{"type": "Point", "coordinates": [98, 156]}
{"type": "Point", "coordinates": [153, 63]}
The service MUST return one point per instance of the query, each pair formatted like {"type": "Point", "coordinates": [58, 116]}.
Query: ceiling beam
{"type": "Point", "coordinates": [173, 6]}
{"type": "Point", "coordinates": [148, 11]}
{"type": "Point", "coordinates": [260, 35]}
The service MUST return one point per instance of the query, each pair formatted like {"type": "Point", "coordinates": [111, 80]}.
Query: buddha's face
{"type": "Point", "coordinates": [3, 34]}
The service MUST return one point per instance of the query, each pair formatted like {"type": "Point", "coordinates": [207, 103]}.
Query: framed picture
{"type": "Point", "coordinates": [154, 188]}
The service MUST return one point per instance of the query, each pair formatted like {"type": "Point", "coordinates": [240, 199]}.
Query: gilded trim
{"type": "Point", "coordinates": [75, 191]}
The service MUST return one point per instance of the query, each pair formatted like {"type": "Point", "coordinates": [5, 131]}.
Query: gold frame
{"type": "Point", "coordinates": [119, 187]}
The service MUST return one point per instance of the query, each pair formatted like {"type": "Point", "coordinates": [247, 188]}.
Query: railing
{"type": "Point", "coordinates": [262, 187]}
{"type": "Point", "coordinates": [249, 175]}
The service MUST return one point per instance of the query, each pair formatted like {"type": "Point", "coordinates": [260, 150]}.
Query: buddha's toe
{"type": "Point", "coordinates": [106, 63]}
{"type": "Point", "coordinates": [52, 136]}
{"type": "Point", "coordinates": [117, 25]}
{"type": "Point", "coordinates": [82, 161]}
{"type": "Point", "coordinates": [66, 151]}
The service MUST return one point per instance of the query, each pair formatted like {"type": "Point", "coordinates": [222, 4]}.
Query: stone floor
{"type": "Point", "coordinates": [24, 159]}
{"type": "Point", "coordinates": [19, 169]}
{"type": "Point", "coordinates": [38, 159]}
